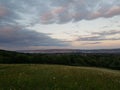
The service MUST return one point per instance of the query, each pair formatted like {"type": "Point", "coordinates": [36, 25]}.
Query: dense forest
{"type": "Point", "coordinates": [74, 59]}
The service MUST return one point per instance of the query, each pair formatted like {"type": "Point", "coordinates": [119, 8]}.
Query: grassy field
{"type": "Point", "coordinates": [55, 77]}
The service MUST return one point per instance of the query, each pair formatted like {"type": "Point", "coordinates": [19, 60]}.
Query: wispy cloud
{"type": "Point", "coordinates": [100, 36]}
{"type": "Point", "coordinates": [91, 43]}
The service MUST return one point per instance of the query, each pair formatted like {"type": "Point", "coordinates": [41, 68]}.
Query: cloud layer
{"type": "Point", "coordinates": [14, 36]}
{"type": "Point", "coordinates": [54, 11]}
{"type": "Point", "coordinates": [16, 16]}
{"type": "Point", "coordinates": [64, 11]}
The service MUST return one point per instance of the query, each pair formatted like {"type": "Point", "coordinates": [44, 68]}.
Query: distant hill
{"type": "Point", "coordinates": [71, 51]}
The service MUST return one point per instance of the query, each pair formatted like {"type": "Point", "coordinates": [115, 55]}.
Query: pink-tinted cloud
{"type": "Point", "coordinates": [94, 15]}
{"type": "Point", "coordinates": [115, 10]}
{"type": "Point", "coordinates": [46, 17]}
{"type": "Point", "coordinates": [62, 11]}
{"type": "Point", "coordinates": [76, 10]}
{"type": "Point", "coordinates": [49, 17]}
{"type": "Point", "coordinates": [58, 10]}
{"type": "Point", "coordinates": [3, 11]}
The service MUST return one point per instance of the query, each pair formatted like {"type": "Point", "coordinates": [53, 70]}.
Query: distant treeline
{"type": "Point", "coordinates": [79, 59]}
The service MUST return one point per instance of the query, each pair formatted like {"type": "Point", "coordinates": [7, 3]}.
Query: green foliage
{"type": "Point", "coordinates": [95, 60]}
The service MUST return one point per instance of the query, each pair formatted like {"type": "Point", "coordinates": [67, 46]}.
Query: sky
{"type": "Point", "coordinates": [59, 24]}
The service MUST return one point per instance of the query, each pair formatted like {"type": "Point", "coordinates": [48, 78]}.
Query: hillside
{"type": "Point", "coordinates": [54, 77]}
{"type": "Point", "coordinates": [73, 59]}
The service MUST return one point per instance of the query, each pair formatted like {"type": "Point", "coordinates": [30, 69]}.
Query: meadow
{"type": "Point", "coordinates": [57, 77]}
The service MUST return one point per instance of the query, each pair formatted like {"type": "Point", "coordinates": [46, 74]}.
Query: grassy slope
{"type": "Point", "coordinates": [54, 77]}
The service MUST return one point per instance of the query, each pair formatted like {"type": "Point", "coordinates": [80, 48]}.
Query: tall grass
{"type": "Point", "coordinates": [55, 77]}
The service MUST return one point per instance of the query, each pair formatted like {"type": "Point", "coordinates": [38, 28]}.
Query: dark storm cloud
{"type": "Point", "coordinates": [100, 36]}
{"type": "Point", "coordinates": [13, 36]}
